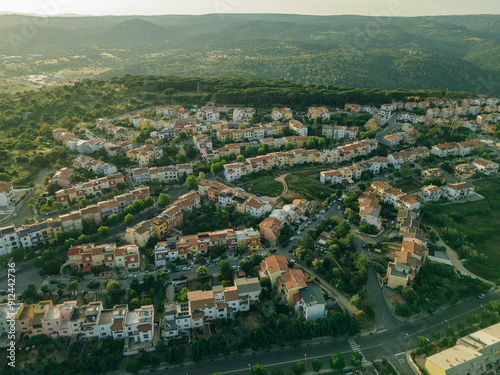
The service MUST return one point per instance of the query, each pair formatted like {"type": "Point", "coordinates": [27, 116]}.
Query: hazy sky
{"type": "Point", "coordinates": [319, 7]}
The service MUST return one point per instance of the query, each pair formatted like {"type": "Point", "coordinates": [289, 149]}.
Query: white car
{"type": "Point", "coordinates": [186, 268]}
{"type": "Point", "coordinates": [292, 238]}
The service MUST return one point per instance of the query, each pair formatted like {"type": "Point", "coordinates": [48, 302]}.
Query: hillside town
{"type": "Point", "coordinates": [174, 241]}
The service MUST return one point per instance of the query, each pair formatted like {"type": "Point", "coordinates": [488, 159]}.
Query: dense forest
{"type": "Point", "coordinates": [454, 52]}
{"type": "Point", "coordinates": [28, 118]}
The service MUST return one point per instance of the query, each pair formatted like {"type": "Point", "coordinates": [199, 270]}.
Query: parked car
{"type": "Point", "coordinates": [176, 270]}
{"type": "Point", "coordinates": [258, 195]}
{"type": "Point", "coordinates": [339, 208]}
{"type": "Point", "coordinates": [53, 281]}
{"type": "Point", "coordinates": [292, 239]}
{"type": "Point", "coordinates": [317, 279]}
{"type": "Point", "coordinates": [186, 268]}
{"type": "Point", "coordinates": [273, 251]}
{"type": "Point", "coordinates": [481, 296]}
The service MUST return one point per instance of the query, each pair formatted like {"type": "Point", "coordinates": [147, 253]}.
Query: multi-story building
{"type": "Point", "coordinates": [458, 190]}
{"type": "Point", "coordinates": [475, 354]}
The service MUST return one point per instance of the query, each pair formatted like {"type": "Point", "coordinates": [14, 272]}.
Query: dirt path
{"type": "Point", "coordinates": [453, 257]}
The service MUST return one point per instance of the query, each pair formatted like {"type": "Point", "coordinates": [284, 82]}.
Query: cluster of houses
{"type": "Point", "coordinates": [160, 174]}
{"type": "Point", "coordinates": [225, 196]}
{"type": "Point", "coordinates": [85, 258]}
{"type": "Point", "coordinates": [138, 328]}
{"type": "Point", "coordinates": [235, 171]}
{"type": "Point", "coordinates": [83, 146]}
{"type": "Point", "coordinates": [118, 132]}
{"type": "Point", "coordinates": [270, 227]}
{"type": "Point", "coordinates": [369, 210]}
{"type": "Point", "coordinates": [195, 245]}
{"type": "Point", "coordinates": [408, 256]}
{"type": "Point", "coordinates": [456, 148]}
{"type": "Point", "coordinates": [451, 191]}
{"type": "Point", "coordinates": [92, 188]}
{"type": "Point", "coordinates": [293, 286]}
{"type": "Point", "coordinates": [480, 165]}
{"type": "Point", "coordinates": [202, 308]}
{"type": "Point", "coordinates": [30, 235]}
{"type": "Point", "coordinates": [145, 155]}
{"type": "Point", "coordinates": [96, 166]}
{"type": "Point", "coordinates": [97, 213]}
{"type": "Point", "coordinates": [172, 217]}
{"type": "Point", "coordinates": [374, 165]}
{"type": "Point", "coordinates": [394, 196]}
{"type": "Point", "coordinates": [334, 131]}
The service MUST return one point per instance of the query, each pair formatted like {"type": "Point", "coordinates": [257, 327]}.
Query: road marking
{"type": "Point", "coordinates": [383, 330]}
{"type": "Point", "coordinates": [356, 348]}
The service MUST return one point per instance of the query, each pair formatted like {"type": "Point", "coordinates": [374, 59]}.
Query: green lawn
{"type": "Point", "coordinates": [407, 185]}
{"type": "Point", "coordinates": [481, 220]}
{"type": "Point", "coordinates": [264, 185]}
{"type": "Point", "coordinates": [309, 187]}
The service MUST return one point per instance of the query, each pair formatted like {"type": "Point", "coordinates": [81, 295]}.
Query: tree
{"type": "Point", "coordinates": [277, 371]}
{"type": "Point", "coordinates": [93, 285]}
{"type": "Point", "coordinates": [261, 151]}
{"type": "Point", "coordinates": [436, 335]}
{"type": "Point", "coordinates": [311, 143]}
{"type": "Point", "coordinates": [129, 219]}
{"type": "Point", "coordinates": [289, 146]}
{"type": "Point", "coordinates": [134, 366]}
{"type": "Point", "coordinates": [201, 176]}
{"type": "Point", "coordinates": [73, 286]}
{"type": "Point", "coordinates": [164, 200]}
{"type": "Point", "coordinates": [422, 342]}
{"type": "Point", "coordinates": [18, 254]}
{"type": "Point", "coordinates": [182, 296]}
{"type": "Point", "coordinates": [240, 158]}
{"type": "Point", "coordinates": [160, 346]}
{"type": "Point", "coordinates": [299, 368]}
{"type": "Point", "coordinates": [317, 365]}
{"type": "Point", "coordinates": [192, 182]}
{"type": "Point", "coordinates": [357, 301]}
{"type": "Point", "coordinates": [44, 288]}
{"type": "Point", "coordinates": [201, 270]}
{"type": "Point", "coordinates": [226, 270]}
{"type": "Point", "coordinates": [103, 231]}
{"type": "Point", "coordinates": [258, 370]}
{"type": "Point", "coordinates": [343, 228]}
{"type": "Point", "coordinates": [356, 360]}
{"type": "Point", "coordinates": [216, 168]}
{"type": "Point", "coordinates": [337, 362]}
{"type": "Point", "coordinates": [472, 319]}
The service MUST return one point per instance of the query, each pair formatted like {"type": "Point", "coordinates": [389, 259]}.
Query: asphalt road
{"type": "Point", "coordinates": [390, 344]}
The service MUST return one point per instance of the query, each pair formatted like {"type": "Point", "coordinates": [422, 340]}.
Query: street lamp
{"type": "Point", "coordinates": [249, 369]}
{"type": "Point", "coordinates": [305, 359]}
{"type": "Point", "coordinates": [446, 320]}
{"type": "Point", "coordinates": [408, 344]}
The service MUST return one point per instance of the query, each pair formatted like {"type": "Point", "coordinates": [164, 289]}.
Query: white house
{"type": "Point", "coordinates": [458, 190]}
{"type": "Point", "coordinates": [429, 193]}
{"type": "Point", "coordinates": [7, 195]}
{"type": "Point", "coordinates": [311, 303]}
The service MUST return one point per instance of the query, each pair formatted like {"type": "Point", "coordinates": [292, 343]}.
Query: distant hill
{"type": "Point", "coordinates": [446, 52]}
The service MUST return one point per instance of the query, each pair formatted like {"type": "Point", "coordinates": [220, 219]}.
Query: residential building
{"type": "Point", "coordinates": [7, 195]}
{"type": "Point", "coordinates": [485, 166]}
{"type": "Point", "coordinates": [311, 303]}
{"type": "Point", "coordinates": [429, 193]}
{"type": "Point", "coordinates": [458, 190]}
{"type": "Point", "coordinates": [273, 267]}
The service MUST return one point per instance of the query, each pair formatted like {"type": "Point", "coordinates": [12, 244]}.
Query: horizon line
{"type": "Point", "coordinates": [235, 13]}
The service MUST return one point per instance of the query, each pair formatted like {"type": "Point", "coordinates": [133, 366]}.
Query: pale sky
{"type": "Point", "coordinates": [316, 7]}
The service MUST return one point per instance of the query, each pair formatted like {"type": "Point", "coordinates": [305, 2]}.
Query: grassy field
{"type": "Point", "coordinates": [309, 187]}
{"type": "Point", "coordinates": [482, 221]}
{"type": "Point", "coordinates": [407, 185]}
{"type": "Point", "coordinates": [264, 185]}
